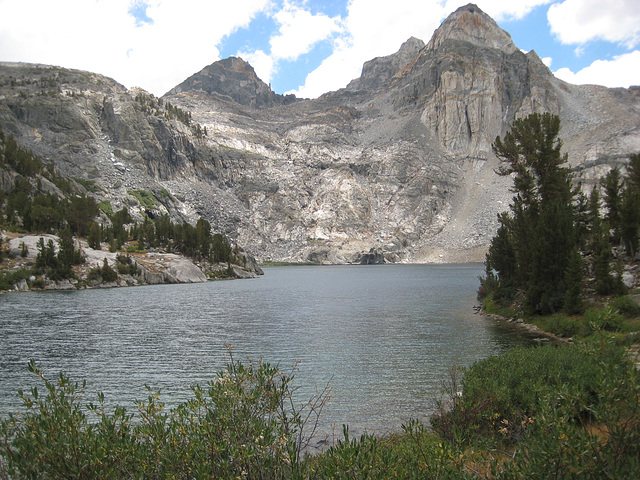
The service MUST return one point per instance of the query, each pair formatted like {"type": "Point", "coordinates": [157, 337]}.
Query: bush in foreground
{"type": "Point", "coordinates": [547, 412]}
{"type": "Point", "coordinates": [560, 412]}
{"type": "Point", "coordinates": [244, 424]}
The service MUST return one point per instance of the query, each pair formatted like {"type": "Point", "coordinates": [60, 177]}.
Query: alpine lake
{"type": "Point", "coordinates": [381, 338]}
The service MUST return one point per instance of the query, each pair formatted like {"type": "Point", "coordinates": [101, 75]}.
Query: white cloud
{"type": "Point", "coordinates": [299, 31]}
{"type": "Point", "coordinates": [500, 9]}
{"type": "Point", "coordinates": [375, 28]}
{"type": "Point", "coordinates": [622, 71]}
{"type": "Point", "coordinates": [103, 37]}
{"type": "Point", "coordinates": [578, 21]}
{"type": "Point", "coordinates": [547, 61]}
{"type": "Point", "coordinates": [262, 63]}
{"type": "Point", "coordinates": [182, 36]}
{"type": "Point", "coordinates": [372, 28]}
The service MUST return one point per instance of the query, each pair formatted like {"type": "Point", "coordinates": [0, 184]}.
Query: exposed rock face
{"type": "Point", "coordinates": [153, 268]}
{"type": "Point", "coordinates": [398, 163]}
{"type": "Point", "coordinates": [235, 80]}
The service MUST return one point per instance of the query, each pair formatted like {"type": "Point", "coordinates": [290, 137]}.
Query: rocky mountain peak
{"type": "Point", "coordinates": [378, 71]}
{"type": "Point", "coordinates": [470, 24]}
{"type": "Point", "coordinates": [232, 79]}
{"type": "Point", "coordinates": [397, 166]}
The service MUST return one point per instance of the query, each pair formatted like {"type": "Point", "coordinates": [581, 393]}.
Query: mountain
{"type": "Point", "coordinates": [397, 166]}
{"type": "Point", "coordinates": [233, 79]}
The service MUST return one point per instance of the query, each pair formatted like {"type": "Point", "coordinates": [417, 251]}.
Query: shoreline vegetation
{"type": "Point", "coordinates": [529, 413]}
{"type": "Point", "coordinates": [57, 234]}
{"type": "Point", "coordinates": [21, 266]}
{"type": "Point", "coordinates": [568, 410]}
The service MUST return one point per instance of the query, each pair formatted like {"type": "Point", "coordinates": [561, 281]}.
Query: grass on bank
{"type": "Point", "coordinates": [618, 315]}
{"type": "Point", "coordinates": [539, 412]}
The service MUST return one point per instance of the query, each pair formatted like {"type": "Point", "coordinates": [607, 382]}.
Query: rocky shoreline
{"type": "Point", "coordinates": [537, 334]}
{"type": "Point", "coordinates": [152, 267]}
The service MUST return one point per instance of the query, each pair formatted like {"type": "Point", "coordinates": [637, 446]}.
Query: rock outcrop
{"type": "Point", "coordinates": [153, 267]}
{"type": "Point", "coordinates": [398, 163]}
{"type": "Point", "coordinates": [233, 79]}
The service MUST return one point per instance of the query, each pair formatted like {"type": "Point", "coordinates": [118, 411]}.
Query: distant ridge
{"type": "Point", "coordinates": [232, 79]}
{"type": "Point", "coordinates": [395, 167]}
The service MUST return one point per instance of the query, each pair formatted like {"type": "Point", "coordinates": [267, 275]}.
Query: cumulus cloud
{"type": "Point", "coordinates": [622, 71]}
{"type": "Point", "coordinates": [104, 36]}
{"type": "Point", "coordinates": [579, 21]}
{"type": "Point", "coordinates": [261, 62]}
{"type": "Point", "coordinates": [501, 9]}
{"type": "Point", "coordinates": [299, 31]}
{"type": "Point", "coordinates": [374, 28]}
{"type": "Point", "coordinates": [156, 44]}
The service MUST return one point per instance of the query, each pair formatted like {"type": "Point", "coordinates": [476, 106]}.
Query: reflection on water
{"type": "Point", "coordinates": [382, 337]}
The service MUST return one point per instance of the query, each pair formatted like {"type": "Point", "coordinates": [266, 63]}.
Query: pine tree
{"type": "Point", "coordinates": [95, 237]}
{"type": "Point", "coordinates": [573, 303]}
{"type": "Point", "coordinates": [612, 184]}
{"type": "Point", "coordinates": [633, 171]}
{"type": "Point", "coordinates": [599, 245]}
{"type": "Point", "coordinates": [541, 227]}
{"type": "Point", "coordinates": [107, 273]}
{"type": "Point", "coordinates": [203, 234]}
{"type": "Point", "coordinates": [630, 219]}
{"type": "Point", "coordinates": [66, 255]}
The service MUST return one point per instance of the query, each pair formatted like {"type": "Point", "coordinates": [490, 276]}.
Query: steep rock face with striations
{"type": "Point", "coordinates": [397, 166]}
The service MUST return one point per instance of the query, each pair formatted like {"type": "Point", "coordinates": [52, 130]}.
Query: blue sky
{"type": "Point", "coordinates": [306, 47]}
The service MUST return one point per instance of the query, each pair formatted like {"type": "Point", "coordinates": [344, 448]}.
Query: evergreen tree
{"type": "Point", "coordinates": [594, 213]}
{"type": "Point", "coordinates": [633, 171]}
{"type": "Point", "coordinates": [107, 273]}
{"type": "Point", "coordinates": [541, 227]}
{"type": "Point", "coordinates": [582, 220]}
{"type": "Point", "coordinates": [600, 246]}
{"type": "Point", "coordinates": [630, 219]}
{"type": "Point", "coordinates": [95, 236]}
{"type": "Point", "coordinates": [612, 184]}
{"type": "Point", "coordinates": [220, 249]}
{"type": "Point", "coordinates": [66, 255]}
{"type": "Point", "coordinates": [501, 262]}
{"type": "Point", "coordinates": [46, 257]}
{"type": "Point", "coordinates": [601, 249]}
{"type": "Point", "coordinates": [203, 235]}
{"type": "Point", "coordinates": [573, 278]}
{"type": "Point", "coordinates": [80, 213]}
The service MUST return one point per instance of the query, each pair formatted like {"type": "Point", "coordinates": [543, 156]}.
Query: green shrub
{"type": "Point", "coordinates": [244, 424]}
{"type": "Point", "coordinates": [417, 453]}
{"type": "Point", "coordinates": [146, 199]}
{"type": "Point", "coordinates": [607, 318]}
{"type": "Point", "coordinates": [606, 444]}
{"type": "Point", "coordinates": [9, 278]}
{"type": "Point", "coordinates": [94, 274]}
{"type": "Point", "coordinates": [564, 326]}
{"type": "Point", "coordinates": [107, 273]}
{"type": "Point", "coordinates": [626, 306]}
{"type": "Point", "coordinates": [106, 207]}
{"type": "Point", "coordinates": [503, 395]}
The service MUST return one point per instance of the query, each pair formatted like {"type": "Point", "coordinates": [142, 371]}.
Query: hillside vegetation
{"type": "Point", "coordinates": [567, 412]}
{"type": "Point", "coordinates": [71, 226]}
{"type": "Point", "coordinates": [559, 259]}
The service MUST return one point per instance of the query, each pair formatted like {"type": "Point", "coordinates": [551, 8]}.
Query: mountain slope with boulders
{"type": "Point", "coordinates": [395, 167]}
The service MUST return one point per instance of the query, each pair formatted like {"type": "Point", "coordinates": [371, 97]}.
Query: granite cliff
{"type": "Point", "coordinates": [395, 167]}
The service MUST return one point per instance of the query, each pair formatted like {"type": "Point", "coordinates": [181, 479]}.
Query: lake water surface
{"type": "Point", "coordinates": [382, 337]}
